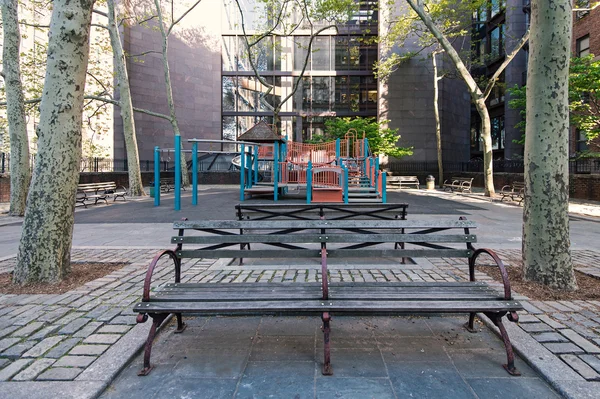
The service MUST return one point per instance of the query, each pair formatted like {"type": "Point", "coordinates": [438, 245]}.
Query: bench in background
{"type": "Point", "coordinates": [324, 239]}
{"type": "Point", "coordinates": [514, 191]}
{"type": "Point", "coordinates": [95, 192]}
{"type": "Point", "coordinates": [403, 181]}
{"type": "Point", "coordinates": [462, 184]}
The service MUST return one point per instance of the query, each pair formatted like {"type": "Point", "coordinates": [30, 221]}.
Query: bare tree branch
{"type": "Point", "coordinates": [176, 21]}
{"type": "Point", "coordinates": [507, 59]}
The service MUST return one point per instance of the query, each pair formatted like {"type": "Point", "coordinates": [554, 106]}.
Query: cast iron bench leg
{"type": "Point", "coordinates": [496, 318]}
{"type": "Point", "coordinates": [470, 324]}
{"type": "Point", "coordinates": [157, 320]}
{"type": "Point", "coordinates": [327, 370]}
{"type": "Point", "coordinates": [180, 324]}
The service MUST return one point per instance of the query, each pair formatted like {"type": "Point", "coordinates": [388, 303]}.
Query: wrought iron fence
{"type": "Point", "coordinates": [580, 166]}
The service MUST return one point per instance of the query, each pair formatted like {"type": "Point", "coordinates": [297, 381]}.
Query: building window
{"type": "Point", "coordinates": [583, 46]}
{"type": "Point", "coordinates": [496, 42]}
{"type": "Point", "coordinates": [497, 133]}
{"type": "Point", "coordinates": [582, 141]}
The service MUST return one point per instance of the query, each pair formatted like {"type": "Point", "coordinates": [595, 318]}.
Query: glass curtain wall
{"type": "Point", "coordinates": [338, 77]}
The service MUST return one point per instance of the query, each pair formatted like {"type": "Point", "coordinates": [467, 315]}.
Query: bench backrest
{"type": "Point", "coordinates": [518, 185]}
{"type": "Point", "coordinates": [340, 238]}
{"type": "Point", "coordinates": [321, 211]}
{"type": "Point", "coordinates": [462, 179]}
{"type": "Point", "coordinates": [88, 187]}
{"type": "Point", "coordinates": [409, 179]}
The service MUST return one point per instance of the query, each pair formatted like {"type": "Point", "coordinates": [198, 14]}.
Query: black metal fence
{"type": "Point", "coordinates": [580, 166]}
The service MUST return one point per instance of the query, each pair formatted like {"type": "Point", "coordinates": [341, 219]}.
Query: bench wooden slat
{"type": "Point", "coordinates": [333, 238]}
{"type": "Point", "coordinates": [331, 253]}
{"type": "Point", "coordinates": [317, 307]}
{"type": "Point", "coordinates": [322, 224]}
{"type": "Point", "coordinates": [185, 288]}
{"type": "Point", "coordinates": [346, 284]}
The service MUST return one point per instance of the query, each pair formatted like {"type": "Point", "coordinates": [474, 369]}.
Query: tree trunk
{"type": "Point", "coordinates": [133, 159]}
{"type": "Point", "coordinates": [474, 90]}
{"type": "Point", "coordinates": [45, 247]}
{"type": "Point", "coordinates": [546, 244]}
{"type": "Point", "coordinates": [15, 109]}
{"type": "Point", "coordinates": [486, 136]}
{"type": "Point", "coordinates": [169, 88]}
{"type": "Point", "coordinates": [436, 113]}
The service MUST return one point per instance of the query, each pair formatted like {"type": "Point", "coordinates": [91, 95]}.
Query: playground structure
{"type": "Point", "coordinates": [344, 170]}
{"type": "Point", "coordinates": [339, 171]}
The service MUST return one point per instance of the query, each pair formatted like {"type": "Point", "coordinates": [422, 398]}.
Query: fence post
{"type": "Point", "coordinates": [309, 182]}
{"type": "Point", "coordinates": [156, 176]}
{"type": "Point", "coordinates": [3, 155]}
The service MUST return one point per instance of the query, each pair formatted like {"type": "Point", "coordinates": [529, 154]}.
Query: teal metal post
{"type": "Point", "coordinates": [242, 173]}
{"type": "Point", "coordinates": [384, 187]}
{"type": "Point", "coordinates": [195, 173]}
{"type": "Point", "coordinates": [337, 151]}
{"type": "Point", "coordinates": [156, 176]}
{"type": "Point", "coordinates": [250, 162]}
{"type": "Point", "coordinates": [256, 164]}
{"type": "Point", "coordinates": [177, 172]}
{"type": "Point", "coordinates": [309, 182]}
{"type": "Point", "coordinates": [275, 170]}
{"type": "Point", "coordinates": [376, 174]}
{"type": "Point", "coordinates": [346, 184]}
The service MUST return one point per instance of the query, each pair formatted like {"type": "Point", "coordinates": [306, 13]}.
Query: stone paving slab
{"type": "Point", "coordinates": [88, 334]}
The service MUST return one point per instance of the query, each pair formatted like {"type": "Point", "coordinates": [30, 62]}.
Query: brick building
{"type": "Point", "coordinates": [586, 41]}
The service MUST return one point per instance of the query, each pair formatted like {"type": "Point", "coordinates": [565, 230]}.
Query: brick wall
{"type": "Point", "coordinates": [588, 25]}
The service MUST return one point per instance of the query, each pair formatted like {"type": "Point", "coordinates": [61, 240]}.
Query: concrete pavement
{"type": "Point", "coordinates": [75, 344]}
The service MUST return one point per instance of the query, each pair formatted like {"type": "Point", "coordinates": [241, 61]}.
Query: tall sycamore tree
{"type": "Point", "coordinates": [546, 244]}
{"type": "Point", "coordinates": [15, 108]}
{"type": "Point", "coordinates": [45, 248]}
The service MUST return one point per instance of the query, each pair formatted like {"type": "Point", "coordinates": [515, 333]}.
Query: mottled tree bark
{"type": "Point", "coordinates": [546, 244]}
{"type": "Point", "coordinates": [15, 109]}
{"type": "Point", "coordinates": [436, 113]}
{"type": "Point", "coordinates": [169, 87]}
{"type": "Point", "coordinates": [133, 159]}
{"type": "Point", "coordinates": [45, 246]}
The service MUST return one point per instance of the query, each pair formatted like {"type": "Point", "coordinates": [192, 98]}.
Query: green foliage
{"type": "Point", "coordinates": [382, 140]}
{"type": "Point", "coordinates": [584, 97]}
{"type": "Point", "coordinates": [452, 17]}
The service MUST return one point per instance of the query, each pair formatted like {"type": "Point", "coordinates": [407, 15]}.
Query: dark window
{"type": "Point", "coordinates": [496, 42]}
{"type": "Point", "coordinates": [320, 54]}
{"type": "Point", "coordinates": [300, 52]}
{"type": "Point", "coordinates": [497, 133]}
{"type": "Point", "coordinates": [583, 46]}
{"type": "Point", "coordinates": [582, 141]}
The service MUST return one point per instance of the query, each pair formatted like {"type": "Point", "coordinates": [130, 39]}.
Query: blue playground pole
{"type": "Point", "coordinates": [337, 151]}
{"type": "Point", "coordinates": [195, 173]}
{"type": "Point", "coordinates": [275, 171]}
{"type": "Point", "coordinates": [346, 183]}
{"type": "Point", "coordinates": [156, 176]}
{"type": "Point", "coordinates": [242, 173]}
{"type": "Point", "coordinates": [309, 182]}
{"type": "Point", "coordinates": [384, 188]}
{"type": "Point", "coordinates": [256, 164]}
{"type": "Point", "coordinates": [376, 174]}
{"type": "Point", "coordinates": [249, 163]}
{"type": "Point", "coordinates": [177, 172]}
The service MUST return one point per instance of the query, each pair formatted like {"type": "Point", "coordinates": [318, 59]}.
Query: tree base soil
{"type": "Point", "coordinates": [588, 286]}
{"type": "Point", "coordinates": [81, 273]}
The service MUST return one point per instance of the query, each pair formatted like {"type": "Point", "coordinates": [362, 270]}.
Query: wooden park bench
{"type": "Point", "coordinates": [403, 181]}
{"type": "Point", "coordinates": [334, 211]}
{"type": "Point", "coordinates": [462, 184]}
{"type": "Point", "coordinates": [95, 192]}
{"type": "Point", "coordinates": [167, 184]}
{"type": "Point", "coordinates": [324, 239]}
{"type": "Point", "coordinates": [514, 191]}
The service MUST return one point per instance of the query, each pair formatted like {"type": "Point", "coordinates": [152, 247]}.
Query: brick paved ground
{"type": "Point", "coordinates": [58, 337]}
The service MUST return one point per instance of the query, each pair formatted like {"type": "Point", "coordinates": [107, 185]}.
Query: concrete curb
{"type": "Point", "coordinates": [560, 376]}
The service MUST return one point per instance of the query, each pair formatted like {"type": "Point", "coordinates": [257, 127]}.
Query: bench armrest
{"type": "Point", "coordinates": [150, 271]}
{"type": "Point", "coordinates": [500, 264]}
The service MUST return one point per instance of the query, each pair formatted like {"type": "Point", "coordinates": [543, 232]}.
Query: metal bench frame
{"type": "Point", "coordinates": [406, 181]}
{"type": "Point", "coordinates": [99, 192]}
{"type": "Point", "coordinates": [462, 184]}
{"type": "Point", "coordinates": [325, 239]}
{"type": "Point", "coordinates": [514, 191]}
